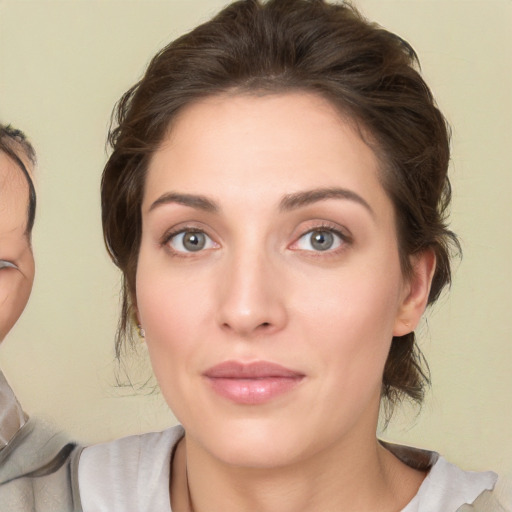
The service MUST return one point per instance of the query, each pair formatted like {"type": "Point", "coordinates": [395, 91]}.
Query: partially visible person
{"type": "Point", "coordinates": [17, 211]}
{"type": "Point", "coordinates": [28, 448]}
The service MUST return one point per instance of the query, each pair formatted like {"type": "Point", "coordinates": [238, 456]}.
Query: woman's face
{"type": "Point", "coordinates": [269, 284]}
{"type": "Point", "coordinates": [16, 259]}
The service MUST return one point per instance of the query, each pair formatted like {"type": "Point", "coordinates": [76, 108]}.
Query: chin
{"type": "Point", "coordinates": [254, 443]}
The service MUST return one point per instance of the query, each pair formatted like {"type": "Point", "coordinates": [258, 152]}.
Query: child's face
{"type": "Point", "coordinates": [16, 259]}
{"type": "Point", "coordinates": [269, 282]}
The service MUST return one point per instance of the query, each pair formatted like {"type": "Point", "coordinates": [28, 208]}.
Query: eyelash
{"type": "Point", "coordinates": [7, 264]}
{"type": "Point", "coordinates": [345, 240]}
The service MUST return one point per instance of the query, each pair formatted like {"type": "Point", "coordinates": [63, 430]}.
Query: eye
{"type": "Point", "coordinates": [190, 241]}
{"type": "Point", "coordinates": [7, 264]}
{"type": "Point", "coordinates": [320, 240]}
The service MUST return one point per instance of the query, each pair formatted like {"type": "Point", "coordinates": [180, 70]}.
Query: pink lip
{"type": "Point", "coordinates": [251, 383]}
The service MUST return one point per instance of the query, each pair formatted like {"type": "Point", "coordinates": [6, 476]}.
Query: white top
{"type": "Point", "coordinates": [133, 473]}
{"type": "Point", "coordinates": [447, 487]}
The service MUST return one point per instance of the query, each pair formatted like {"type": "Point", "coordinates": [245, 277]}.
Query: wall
{"type": "Point", "coordinates": [63, 64]}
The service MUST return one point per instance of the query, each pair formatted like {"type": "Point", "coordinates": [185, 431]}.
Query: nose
{"type": "Point", "coordinates": [252, 299]}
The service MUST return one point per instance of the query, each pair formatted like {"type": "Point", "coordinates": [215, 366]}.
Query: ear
{"type": "Point", "coordinates": [416, 292]}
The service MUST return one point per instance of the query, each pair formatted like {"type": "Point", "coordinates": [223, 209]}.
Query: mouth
{"type": "Point", "coordinates": [251, 383]}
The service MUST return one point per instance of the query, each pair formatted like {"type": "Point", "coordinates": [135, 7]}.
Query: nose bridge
{"type": "Point", "coordinates": [251, 296]}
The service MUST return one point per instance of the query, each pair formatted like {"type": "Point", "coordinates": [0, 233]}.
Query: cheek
{"type": "Point", "coordinates": [349, 323]}
{"type": "Point", "coordinates": [168, 302]}
{"type": "Point", "coordinates": [14, 294]}
{"type": "Point", "coordinates": [173, 311]}
{"type": "Point", "coordinates": [354, 301]}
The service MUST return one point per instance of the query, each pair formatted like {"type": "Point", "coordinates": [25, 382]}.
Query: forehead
{"type": "Point", "coordinates": [252, 147]}
{"type": "Point", "coordinates": [14, 196]}
{"type": "Point", "coordinates": [12, 178]}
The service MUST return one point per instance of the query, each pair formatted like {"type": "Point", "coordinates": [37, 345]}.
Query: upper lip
{"type": "Point", "coordinates": [254, 370]}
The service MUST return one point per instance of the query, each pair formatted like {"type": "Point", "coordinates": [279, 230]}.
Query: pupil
{"type": "Point", "coordinates": [322, 240]}
{"type": "Point", "coordinates": [194, 241]}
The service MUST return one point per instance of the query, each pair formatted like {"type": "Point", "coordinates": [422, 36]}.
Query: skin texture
{"type": "Point", "coordinates": [260, 291]}
{"type": "Point", "coordinates": [15, 282]}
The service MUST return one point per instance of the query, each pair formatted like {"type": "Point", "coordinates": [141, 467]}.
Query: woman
{"type": "Point", "coordinates": [275, 199]}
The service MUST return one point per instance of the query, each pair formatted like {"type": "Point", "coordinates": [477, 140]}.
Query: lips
{"type": "Point", "coordinates": [252, 383]}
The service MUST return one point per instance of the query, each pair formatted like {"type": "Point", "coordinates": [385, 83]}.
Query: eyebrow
{"type": "Point", "coordinates": [288, 202]}
{"type": "Point", "coordinates": [194, 201]}
{"type": "Point", "coordinates": [301, 199]}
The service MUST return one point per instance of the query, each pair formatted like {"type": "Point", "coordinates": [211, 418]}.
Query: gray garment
{"type": "Point", "coordinates": [39, 472]}
{"type": "Point", "coordinates": [38, 467]}
{"type": "Point", "coordinates": [12, 416]}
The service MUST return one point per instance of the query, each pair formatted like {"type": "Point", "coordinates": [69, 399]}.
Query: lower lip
{"type": "Point", "coordinates": [253, 391]}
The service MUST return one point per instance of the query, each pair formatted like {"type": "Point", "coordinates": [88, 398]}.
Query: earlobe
{"type": "Point", "coordinates": [416, 293]}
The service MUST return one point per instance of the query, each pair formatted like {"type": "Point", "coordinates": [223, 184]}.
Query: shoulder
{"type": "Point", "coordinates": [446, 487]}
{"type": "Point", "coordinates": [129, 473]}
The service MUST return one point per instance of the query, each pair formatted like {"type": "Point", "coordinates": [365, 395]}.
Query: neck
{"type": "Point", "coordinates": [348, 476]}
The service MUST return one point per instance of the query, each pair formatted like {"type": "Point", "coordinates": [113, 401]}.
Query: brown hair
{"type": "Point", "coordinates": [284, 45]}
{"type": "Point", "coordinates": [14, 143]}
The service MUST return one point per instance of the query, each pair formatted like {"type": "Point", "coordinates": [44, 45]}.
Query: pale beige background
{"type": "Point", "coordinates": [63, 64]}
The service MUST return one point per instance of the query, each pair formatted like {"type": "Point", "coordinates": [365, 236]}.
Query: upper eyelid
{"type": "Point", "coordinates": [8, 264]}
{"type": "Point", "coordinates": [334, 231]}
{"type": "Point", "coordinates": [323, 225]}
{"type": "Point", "coordinates": [172, 232]}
